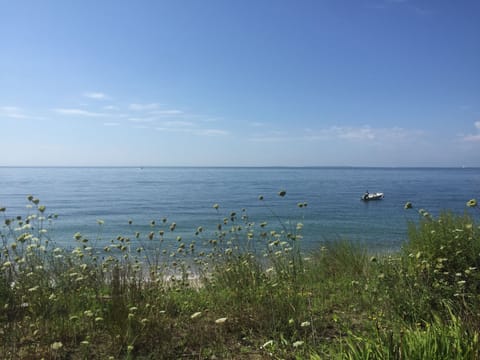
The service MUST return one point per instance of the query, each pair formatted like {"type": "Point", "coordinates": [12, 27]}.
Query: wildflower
{"type": "Point", "coordinates": [85, 342]}
{"type": "Point", "coordinates": [221, 320]}
{"type": "Point", "coordinates": [57, 345]}
{"type": "Point", "coordinates": [100, 222]}
{"type": "Point", "coordinates": [196, 315]}
{"type": "Point", "coordinates": [305, 324]}
{"type": "Point", "coordinates": [98, 319]}
{"type": "Point", "coordinates": [472, 203]}
{"type": "Point", "coordinates": [408, 205]}
{"type": "Point", "coordinates": [267, 344]}
{"type": "Point", "coordinates": [130, 348]}
{"type": "Point", "coordinates": [215, 206]}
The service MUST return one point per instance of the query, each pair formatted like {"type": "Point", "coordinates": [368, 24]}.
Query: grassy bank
{"type": "Point", "coordinates": [259, 297]}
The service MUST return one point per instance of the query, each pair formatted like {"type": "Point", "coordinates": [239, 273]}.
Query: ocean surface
{"type": "Point", "coordinates": [81, 196]}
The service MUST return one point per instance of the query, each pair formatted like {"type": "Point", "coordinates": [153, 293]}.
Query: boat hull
{"type": "Point", "coordinates": [374, 196]}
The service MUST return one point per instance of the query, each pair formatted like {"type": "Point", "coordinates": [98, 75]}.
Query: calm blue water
{"type": "Point", "coordinates": [80, 196]}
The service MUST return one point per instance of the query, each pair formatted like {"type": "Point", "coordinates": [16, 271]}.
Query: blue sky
{"type": "Point", "coordinates": [240, 83]}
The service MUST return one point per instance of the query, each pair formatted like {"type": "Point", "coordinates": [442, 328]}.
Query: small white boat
{"type": "Point", "coordinates": [372, 196]}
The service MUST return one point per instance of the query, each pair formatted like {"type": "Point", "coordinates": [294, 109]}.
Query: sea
{"type": "Point", "coordinates": [103, 203]}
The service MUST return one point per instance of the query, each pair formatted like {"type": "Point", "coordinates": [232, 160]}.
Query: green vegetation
{"type": "Point", "coordinates": [254, 296]}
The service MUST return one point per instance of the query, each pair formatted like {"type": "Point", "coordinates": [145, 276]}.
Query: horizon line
{"type": "Point", "coordinates": [240, 166]}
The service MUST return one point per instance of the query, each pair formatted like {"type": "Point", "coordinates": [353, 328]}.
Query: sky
{"type": "Point", "coordinates": [240, 83]}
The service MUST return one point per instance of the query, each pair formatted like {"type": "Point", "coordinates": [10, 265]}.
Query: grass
{"type": "Point", "coordinates": [257, 296]}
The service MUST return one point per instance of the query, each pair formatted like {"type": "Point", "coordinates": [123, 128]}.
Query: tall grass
{"type": "Point", "coordinates": [251, 293]}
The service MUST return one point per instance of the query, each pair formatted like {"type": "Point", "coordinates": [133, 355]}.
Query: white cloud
{"type": "Point", "coordinates": [367, 133]}
{"type": "Point", "coordinates": [167, 112]}
{"type": "Point", "coordinates": [176, 124]}
{"type": "Point", "coordinates": [474, 137]}
{"type": "Point", "coordinates": [256, 124]}
{"type": "Point", "coordinates": [175, 129]}
{"type": "Point", "coordinates": [78, 112]}
{"type": "Point", "coordinates": [12, 112]}
{"type": "Point", "coordinates": [143, 107]}
{"type": "Point", "coordinates": [111, 124]}
{"type": "Point", "coordinates": [343, 133]}
{"type": "Point", "coordinates": [96, 95]}
{"type": "Point", "coordinates": [140, 120]}
{"type": "Point", "coordinates": [213, 132]}
{"type": "Point", "coordinates": [111, 107]}
{"type": "Point", "coordinates": [349, 133]}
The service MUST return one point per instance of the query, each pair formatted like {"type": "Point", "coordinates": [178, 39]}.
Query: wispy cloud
{"type": "Point", "coordinates": [14, 112]}
{"type": "Point", "coordinates": [213, 132]}
{"type": "Point", "coordinates": [194, 131]}
{"type": "Point", "coordinates": [341, 133]}
{"type": "Point", "coordinates": [110, 107]}
{"type": "Point", "coordinates": [111, 124]}
{"type": "Point", "coordinates": [166, 112]}
{"type": "Point", "coordinates": [96, 95]}
{"type": "Point", "coordinates": [140, 120]}
{"type": "Point", "coordinates": [256, 124]}
{"type": "Point", "coordinates": [174, 129]}
{"type": "Point", "coordinates": [474, 137]}
{"type": "Point", "coordinates": [386, 4]}
{"type": "Point", "coordinates": [144, 107]}
{"type": "Point", "coordinates": [350, 133]}
{"type": "Point", "coordinates": [78, 112]}
{"type": "Point", "coordinates": [177, 124]}
{"type": "Point", "coordinates": [366, 133]}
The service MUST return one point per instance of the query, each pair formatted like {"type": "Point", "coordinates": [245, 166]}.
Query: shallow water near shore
{"type": "Point", "coordinates": [81, 196]}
